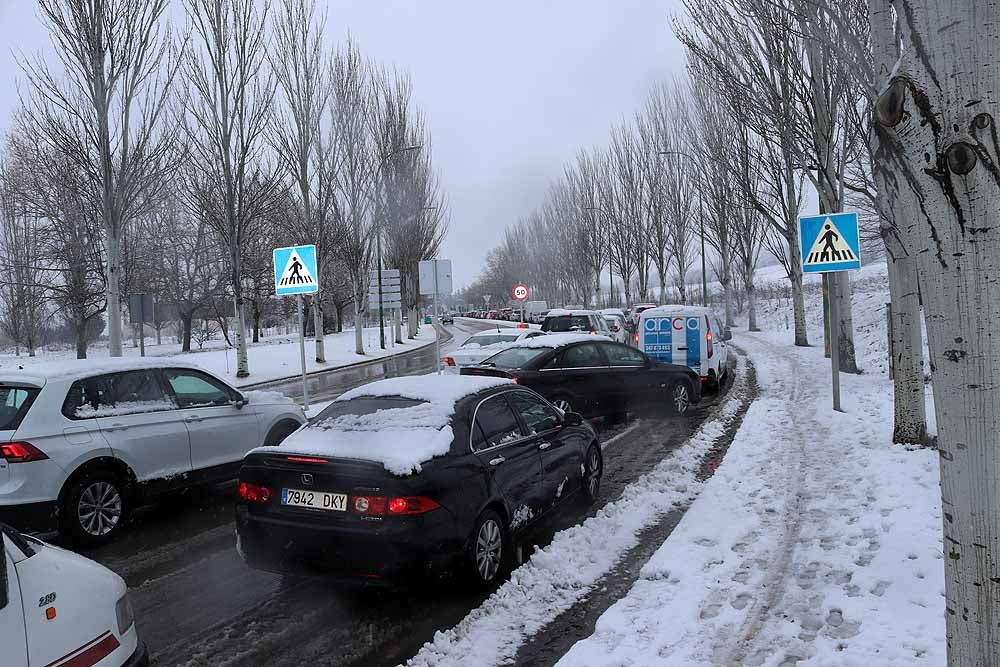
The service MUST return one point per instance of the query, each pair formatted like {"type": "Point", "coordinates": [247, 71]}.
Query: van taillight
{"type": "Point", "coordinates": [254, 493]}
{"type": "Point", "coordinates": [711, 348]}
{"type": "Point", "coordinates": [21, 452]}
{"type": "Point", "coordinates": [448, 361]}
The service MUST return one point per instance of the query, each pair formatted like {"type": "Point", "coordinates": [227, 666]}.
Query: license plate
{"type": "Point", "coordinates": [318, 500]}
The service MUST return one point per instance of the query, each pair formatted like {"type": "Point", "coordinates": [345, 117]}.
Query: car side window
{"type": "Point", "coordinates": [197, 390]}
{"type": "Point", "coordinates": [116, 394]}
{"type": "Point", "coordinates": [623, 355]}
{"type": "Point", "coordinates": [495, 424]}
{"type": "Point", "coordinates": [582, 356]}
{"type": "Point", "coordinates": [537, 415]}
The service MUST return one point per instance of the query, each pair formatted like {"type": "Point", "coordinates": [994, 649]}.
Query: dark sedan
{"type": "Point", "coordinates": [594, 377]}
{"type": "Point", "coordinates": [410, 476]}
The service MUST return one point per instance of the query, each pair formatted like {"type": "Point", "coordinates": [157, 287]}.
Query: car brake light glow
{"type": "Point", "coordinates": [516, 380]}
{"type": "Point", "coordinates": [522, 325]}
{"type": "Point", "coordinates": [254, 493]}
{"type": "Point", "coordinates": [21, 452]}
{"type": "Point", "coordinates": [711, 348]}
{"type": "Point", "coordinates": [307, 459]}
{"type": "Point", "coordinates": [448, 361]}
{"type": "Point", "coordinates": [412, 505]}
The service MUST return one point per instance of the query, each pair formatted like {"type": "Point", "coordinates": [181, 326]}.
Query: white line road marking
{"type": "Point", "coordinates": [607, 443]}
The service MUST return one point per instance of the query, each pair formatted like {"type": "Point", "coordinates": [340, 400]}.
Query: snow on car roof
{"type": "Point", "coordinates": [562, 312]}
{"type": "Point", "coordinates": [77, 368]}
{"type": "Point", "coordinates": [673, 309]}
{"type": "Point", "coordinates": [555, 340]}
{"type": "Point", "coordinates": [400, 438]}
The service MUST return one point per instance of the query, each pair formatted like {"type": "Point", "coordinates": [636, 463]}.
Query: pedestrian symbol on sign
{"type": "Point", "coordinates": [829, 242]}
{"type": "Point", "coordinates": [829, 247]}
{"type": "Point", "coordinates": [295, 270]}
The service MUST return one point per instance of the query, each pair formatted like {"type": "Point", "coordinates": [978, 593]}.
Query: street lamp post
{"type": "Point", "coordinates": [378, 246]}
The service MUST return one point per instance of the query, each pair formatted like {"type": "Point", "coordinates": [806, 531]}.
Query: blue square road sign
{"type": "Point", "coordinates": [829, 242]}
{"type": "Point", "coordinates": [295, 270]}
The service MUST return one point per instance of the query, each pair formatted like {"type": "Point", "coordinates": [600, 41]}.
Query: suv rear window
{"type": "Point", "coordinates": [564, 323]}
{"type": "Point", "coordinates": [14, 404]}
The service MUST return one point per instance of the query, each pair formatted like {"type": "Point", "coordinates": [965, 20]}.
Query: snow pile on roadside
{"type": "Point", "coordinates": [400, 438]}
{"type": "Point", "coordinates": [816, 542]}
{"type": "Point", "coordinates": [566, 570]}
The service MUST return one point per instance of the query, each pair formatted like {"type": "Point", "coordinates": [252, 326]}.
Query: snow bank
{"type": "Point", "coordinates": [817, 542]}
{"type": "Point", "coordinates": [401, 439]}
{"type": "Point", "coordinates": [564, 572]}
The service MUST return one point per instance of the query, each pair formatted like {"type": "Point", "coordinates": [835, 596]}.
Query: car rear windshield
{"type": "Point", "coordinates": [490, 340]}
{"type": "Point", "coordinates": [365, 405]}
{"type": "Point", "coordinates": [516, 357]}
{"type": "Point", "coordinates": [563, 323]}
{"type": "Point", "coordinates": [14, 404]}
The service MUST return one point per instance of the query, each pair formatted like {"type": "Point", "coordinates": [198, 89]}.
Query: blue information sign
{"type": "Point", "coordinates": [829, 242]}
{"type": "Point", "coordinates": [295, 270]}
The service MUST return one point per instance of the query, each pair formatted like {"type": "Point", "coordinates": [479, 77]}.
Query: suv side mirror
{"type": "Point", "coordinates": [572, 419]}
{"type": "Point", "coordinates": [239, 402]}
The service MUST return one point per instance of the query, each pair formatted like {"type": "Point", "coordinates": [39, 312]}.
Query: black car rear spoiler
{"type": "Point", "coordinates": [488, 371]}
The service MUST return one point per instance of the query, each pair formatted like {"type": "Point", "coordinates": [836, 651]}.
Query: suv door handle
{"type": "Point", "coordinates": [192, 418]}
{"type": "Point", "coordinates": [116, 426]}
{"type": "Point", "coordinates": [544, 446]}
{"type": "Point", "coordinates": [497, 461]}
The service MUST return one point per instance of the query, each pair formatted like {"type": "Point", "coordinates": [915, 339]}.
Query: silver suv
{"type": "Point", "coordinates": [575, 321]}
{"type": "Point", "coordinates": [85, 441]}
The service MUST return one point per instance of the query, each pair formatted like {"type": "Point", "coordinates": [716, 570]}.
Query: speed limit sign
{"type": "Point", "coordinates": [519, 292]}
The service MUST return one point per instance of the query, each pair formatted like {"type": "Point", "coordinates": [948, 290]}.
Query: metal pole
{"type": "Point", "coordinates": [381, 318]}
{"type": "Point", "coordinates": [831, 281]}
{"type": "Point", "coordinates": [704, 274]}
{"type": "Point", "coordinates": [142, 325]}
{"type": "Point", "coordinates": [302, 353]}
{"type": "Point", "coordinates": [437, 338]}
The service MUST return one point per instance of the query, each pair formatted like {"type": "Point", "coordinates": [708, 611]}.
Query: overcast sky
{"type": "Point", "coordinates": [511, 88]}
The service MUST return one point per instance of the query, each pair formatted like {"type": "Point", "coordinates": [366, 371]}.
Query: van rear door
{"type": "Point", "coordinates": [13, 639]}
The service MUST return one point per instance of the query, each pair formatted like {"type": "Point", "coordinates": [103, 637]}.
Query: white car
{"type": "Point", "coordinates": [616, 323]}
{"type": "Point", "coordinates": [485, 344]}
{"type": "Point", "coordinates": [87, 440]}
{"type": "Point", "coordinates": [60, 609]}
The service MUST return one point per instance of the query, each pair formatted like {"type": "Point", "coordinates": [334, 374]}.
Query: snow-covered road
{"type": "Point", "coordinates": [816, 542]}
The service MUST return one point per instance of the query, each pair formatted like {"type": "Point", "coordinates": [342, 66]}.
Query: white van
{"type": "Point", "coordinates": [59, 609]}
{"type": "Point", "coordinates": [691, 336]}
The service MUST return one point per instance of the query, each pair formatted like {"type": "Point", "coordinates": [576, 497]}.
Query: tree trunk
{"type": "Point", "coordinates": [359, 312]}
{"type": "Point", "coordinates": [339, 308]}
{"type": "Point", "coordinates": [842, 292]}
{"type": "Point", "coordinates": [186, 332]}
{"type": "Point", "coordinates": [256, 321]}
{"type": "Point", "coordinates": [318, 331]}
{"type": "Point", "coordinates": [938, 138]}
{"type": "Point", "coordinates": [81, 340]}
{"type": "Point", "coordinates": [798, 305]}
{"type": "Point", "coordinates": [752, 308]}
{"type": "Point", "coordinates": [910, 414]}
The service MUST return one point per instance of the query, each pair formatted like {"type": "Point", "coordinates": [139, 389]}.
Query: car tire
{"type": "Point", "coordinates": [593, 473]}
{"type": "Point", "coordinates": [279, 432]}
{"type": "Point", "coordinates": [489, 549]}
{"type": "Point", "coordinates": [679, 397]}
{"type": "Point", "coordinates": [94, 508]}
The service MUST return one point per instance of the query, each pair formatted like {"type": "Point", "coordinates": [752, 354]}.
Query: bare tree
{"type": "Point", "coordinates": [226, 108]}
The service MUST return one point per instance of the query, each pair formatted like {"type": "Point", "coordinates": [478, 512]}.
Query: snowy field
{"type": "Point", "coordinates": [817, 542]}
{"type": "Point", "coordinates": [272, 358]}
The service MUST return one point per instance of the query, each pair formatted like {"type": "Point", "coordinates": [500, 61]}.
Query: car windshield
{"type": "Point", "coordinates": [365, 405]}
{"type": "Point", "coordinates": [564, 323]}
{"type": "Point", "coordinates": [14, 404]}
{"type": "Point", "coordinates": [491, 339]}
{"type": "Point", "coordinates": [516, 357]}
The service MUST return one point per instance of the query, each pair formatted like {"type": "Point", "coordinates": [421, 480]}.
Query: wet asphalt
{"type": "Point", "coordinates": [197, 604]}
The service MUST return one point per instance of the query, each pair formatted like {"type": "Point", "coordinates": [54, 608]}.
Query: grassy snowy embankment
{"type": "Point", "coordinates": [273, 358]}
{"type": "Point", "coordinates": [817, 542]}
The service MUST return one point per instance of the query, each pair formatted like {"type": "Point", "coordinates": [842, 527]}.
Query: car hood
{"type": "Point", "coordinates": [260, 397]}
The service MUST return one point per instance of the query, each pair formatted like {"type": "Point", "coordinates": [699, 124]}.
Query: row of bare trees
{"type": "Point", "coordinates": [171, 164]}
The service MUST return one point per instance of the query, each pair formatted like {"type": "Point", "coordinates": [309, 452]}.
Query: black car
{"type": "Point", "coordinates": [448, 319]}
{"type": "Point", "coordinates": [594, 377]}
{"type": "Point", "coordinates": [512, 458]}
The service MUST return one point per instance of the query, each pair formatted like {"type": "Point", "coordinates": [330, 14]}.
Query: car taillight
{"type": "Point", "coordinates": [306, 459]}
{"type": "Point", "coordinates": [412, 505]}
{"type": "Point", "coordinates": [711, 348]}
{"type": "Point", "coordinates": [522, 325]}
{"type": "Point", "coordinates": [637, 339]}
{"type": "Point", "coordinates": [21, 452]}
{"type": "Point", "coordinates": [254, 493]}
{"type": "Point", "coordinates": [516, 380]}
{"type": "Point", "coordinates": [448, 361]}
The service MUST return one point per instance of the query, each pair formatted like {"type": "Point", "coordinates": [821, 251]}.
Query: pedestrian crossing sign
{"type": "Point", "coordinates": [295, 270]}
{"type": "Point", "coordinates": [829, 242]}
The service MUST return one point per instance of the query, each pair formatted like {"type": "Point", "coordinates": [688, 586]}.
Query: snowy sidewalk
{"type": "Point", "coordinates": [817, 542]}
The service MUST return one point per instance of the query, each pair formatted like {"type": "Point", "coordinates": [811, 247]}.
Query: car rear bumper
{"type": "Point", "coordinates": [29, 517]}
{"type": "Point", "coordinates": [391, 552]}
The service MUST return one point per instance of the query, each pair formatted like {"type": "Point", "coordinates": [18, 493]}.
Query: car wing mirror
{"type": "Point", "coordinates": [239, 402]}
{"type": "Point", "coordinates": [572, 419]}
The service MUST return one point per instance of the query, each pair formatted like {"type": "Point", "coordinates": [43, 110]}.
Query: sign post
{"type": "Point", "coordinates": [295, 271]}
{"type": "Point", "coordinates": [435, 278]}
{"type": "Point", "coordinates": [140, 309]}
{"type": "Point", "coordinates": [829, 244]}
{"type": "Point", "coordinates": [520, 293]}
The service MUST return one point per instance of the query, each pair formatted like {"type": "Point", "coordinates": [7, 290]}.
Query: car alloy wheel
{"type": "Point", "coordinates": [99, 509]}
{"type": "Point", "coordinates": [489, 549]}
{"type": "Point", "coordinates": [594, 472]}
{"type": "Point", "coordinates": [680, 398]}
